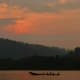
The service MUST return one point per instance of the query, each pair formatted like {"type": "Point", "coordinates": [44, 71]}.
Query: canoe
{"type": "Point", "coordinates": [32, 73]}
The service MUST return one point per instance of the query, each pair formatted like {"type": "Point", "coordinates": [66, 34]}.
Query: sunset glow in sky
{"type": "Point", "coordinates": [45, 22]}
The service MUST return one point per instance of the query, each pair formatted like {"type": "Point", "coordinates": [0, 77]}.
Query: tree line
{"type": "Point", "coordinates": [41, 63]}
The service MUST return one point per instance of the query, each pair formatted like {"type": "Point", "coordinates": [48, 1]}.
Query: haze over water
{"type": "Point", "coordinates": [24, 75]}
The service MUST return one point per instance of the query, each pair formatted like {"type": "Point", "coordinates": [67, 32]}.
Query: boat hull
{"type": "Point", "coordinates": [32, 73]}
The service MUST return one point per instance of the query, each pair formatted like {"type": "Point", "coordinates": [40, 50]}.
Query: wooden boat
{"type": "Point", "coordinates": [32, 73]}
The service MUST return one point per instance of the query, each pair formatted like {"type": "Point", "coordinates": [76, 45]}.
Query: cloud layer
{"type": "Point", "coordinates": [44, 6]}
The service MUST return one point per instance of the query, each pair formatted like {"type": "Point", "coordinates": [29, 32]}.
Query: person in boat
{"type": "Point", "coordinates": [47, 74]}
{"type": "Point", "coordinates": [50, 73]}
{"type": "Point", "coordinates": [58, 73]}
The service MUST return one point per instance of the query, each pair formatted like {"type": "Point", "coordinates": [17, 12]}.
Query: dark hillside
{"type": "Point", "coordinates": [16, 50]}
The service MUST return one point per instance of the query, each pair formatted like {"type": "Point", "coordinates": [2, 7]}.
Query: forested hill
{"type": "Point", "coordinates": [17, 50]}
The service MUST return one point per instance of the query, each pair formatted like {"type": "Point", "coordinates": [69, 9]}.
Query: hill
{"type": "Point", "coordinates": [74, 54]}
{"type": "Point", "coordinates": [17, 50]}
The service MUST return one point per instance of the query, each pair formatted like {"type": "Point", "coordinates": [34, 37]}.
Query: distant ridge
{"type": "Point", "coordinates": [17, 50]}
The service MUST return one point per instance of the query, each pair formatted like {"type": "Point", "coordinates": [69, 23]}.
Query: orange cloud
{"type": "Point", "coordinates": [66, 22]}
{"type": "Point", "coordinates": [53, 3]}
{"type": "Point", "coordinates": [63, 1]}
{"type": "Point", "coordinates": [7, 11]}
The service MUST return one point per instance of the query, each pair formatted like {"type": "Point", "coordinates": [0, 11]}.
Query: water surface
{"type": "Point", "coordinates": [24, 75]}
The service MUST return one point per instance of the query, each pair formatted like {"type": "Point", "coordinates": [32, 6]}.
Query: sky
{"type": "Point", "coordinates": [45, 22]}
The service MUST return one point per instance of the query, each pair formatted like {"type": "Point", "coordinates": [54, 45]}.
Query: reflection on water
{"type": "Point", "coordinates": [24, 75]}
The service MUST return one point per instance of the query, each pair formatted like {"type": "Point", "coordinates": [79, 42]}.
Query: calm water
{"type": "Point", "coordinates": [24, 75]}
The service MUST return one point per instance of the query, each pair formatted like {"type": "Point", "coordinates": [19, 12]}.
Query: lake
{"type": "Point", "coordinates": [24, 75]}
